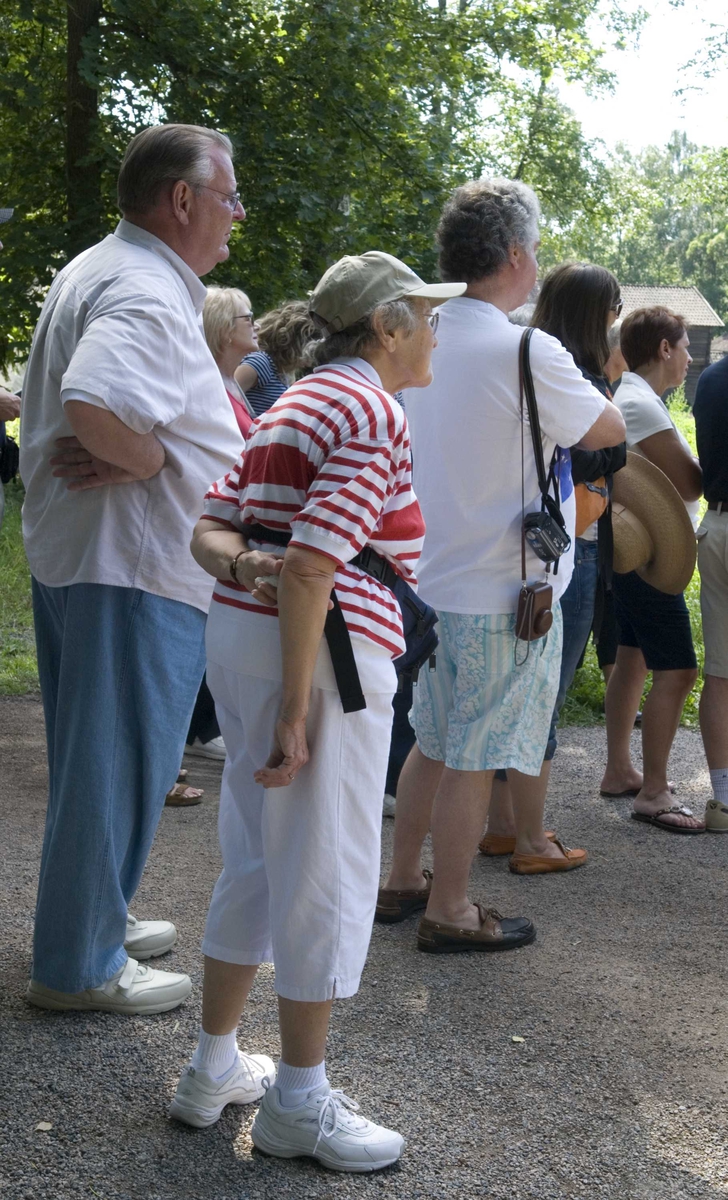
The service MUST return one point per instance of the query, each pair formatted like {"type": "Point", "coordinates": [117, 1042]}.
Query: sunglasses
{"type": "Point", "coordinates": [618, 306]}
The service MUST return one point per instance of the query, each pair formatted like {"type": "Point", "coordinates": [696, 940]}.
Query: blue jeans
{"type": "Point", "coordinates": [119, 672]}
{"type": "Point", "coordinates": [577, 610]}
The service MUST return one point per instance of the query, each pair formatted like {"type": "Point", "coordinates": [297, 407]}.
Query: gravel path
{"type": "Point", "coordinates": [619, 1089]}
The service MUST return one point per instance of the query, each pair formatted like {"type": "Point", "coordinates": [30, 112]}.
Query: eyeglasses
{"type": "Point", "coordinates": [617, 308]}
{"type": "Point", "coordinates": [245, 317]}
{"type": "Point", "coordinates": [433, 321]}
{"type": "Point", "coordinates": [232, 199]}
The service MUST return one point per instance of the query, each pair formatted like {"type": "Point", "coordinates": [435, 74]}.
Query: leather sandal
{"type": "Point", "coordinates": [183, 796]}
{"type": "Point", "coordinates": [493, 845]}
{"type": "Point", "coordinates": [670, 826]}
{"type": "Point", "coordinates": [540, 864]}
{"type": "Point", "coordinates": [394, 906]}
{"type": "Point", "coordinates": [510, 932]}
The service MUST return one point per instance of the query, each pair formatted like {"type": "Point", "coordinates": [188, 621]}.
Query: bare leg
{"type": "Point", "coordinates": [607, 672]}
{"type": "Point", "coordinates": [660, 719]}
{"type": "Point", "coordinates": [458, 816]}
{"type": "Point", "coordinates": [224, 993]}
{"type": "Point", "coordinates": [501, 821]}
{"type": "Point", "coordinates": [714, 721]}
{"type": "Point", "coordinates": [304, 1027]}
{"type": "Point", "coordinates": [621, 705]}
{"type": "Point", "coordinates": [415, 794]}
{"type": "Point", "coordinates": [529, 797]}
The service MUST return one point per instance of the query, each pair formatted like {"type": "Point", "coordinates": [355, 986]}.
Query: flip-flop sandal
{"type": "Point", "coordinates": [654, 819]}
{"type": "Point", "coordinates": [630, 793]}
{"type": "Point", "coordinates": [182, 796]}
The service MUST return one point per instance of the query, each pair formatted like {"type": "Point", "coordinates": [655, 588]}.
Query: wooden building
{"type": "Point", "coordinates": [703, 320]}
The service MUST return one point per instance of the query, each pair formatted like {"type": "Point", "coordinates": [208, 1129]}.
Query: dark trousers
{"type": "Point", "coordinates": [204, 722]}
{"type": "Point", "coordinates": [403, 736]}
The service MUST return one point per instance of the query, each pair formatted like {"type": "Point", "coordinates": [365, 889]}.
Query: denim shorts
{"type": "Point", "coordinates": [481, 709]}
{"type": "Point", "coordinates": [654, 622]}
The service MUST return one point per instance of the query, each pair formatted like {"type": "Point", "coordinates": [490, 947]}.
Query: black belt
{"type": "Point", "coordinates": [335, 629]}
{"type": "Point", "coordinates": [718, 506]}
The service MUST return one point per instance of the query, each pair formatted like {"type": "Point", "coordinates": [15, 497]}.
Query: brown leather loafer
{"type": "Point", "coordinates": [494, 846]}
{"type": "Point", "coordinates": [510, 933]}
{"type": "Point", "coordinates": [537, 864]}
{"type": "Point", "coordinates": [393, 906]}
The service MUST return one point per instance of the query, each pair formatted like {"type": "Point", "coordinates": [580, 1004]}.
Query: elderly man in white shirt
{"type": "Point", "coordinates": [125, 424]}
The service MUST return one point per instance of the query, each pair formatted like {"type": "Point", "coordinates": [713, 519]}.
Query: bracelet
{"type": "Point", "coordinates": [234, 565]}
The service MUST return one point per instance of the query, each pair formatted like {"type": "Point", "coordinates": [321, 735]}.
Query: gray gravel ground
{"type": "Point", "coordinates": [619, 1089]}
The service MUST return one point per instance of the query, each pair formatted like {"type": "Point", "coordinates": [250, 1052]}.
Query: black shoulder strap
{"type": "Point", "coordinates": [526, 378]}
{"type": "Point", "coordinates": [342, 658]}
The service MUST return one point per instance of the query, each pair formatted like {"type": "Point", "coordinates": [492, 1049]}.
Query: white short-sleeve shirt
{"type": "Point", "coordinates": [644, 414]}
{"type": "Point", "coordinates": [121, 328]}
{"type": "Point", "coordinates": [466, 450]}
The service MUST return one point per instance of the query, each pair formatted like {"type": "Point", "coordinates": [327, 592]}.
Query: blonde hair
{"type": "Point", "coordinates": [284, 332]}
{"type": "Point", "coordinates": [219, 313]}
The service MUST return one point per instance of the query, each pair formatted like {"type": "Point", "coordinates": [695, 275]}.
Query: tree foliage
{"type": "Point", "coordinates": [351, 119]}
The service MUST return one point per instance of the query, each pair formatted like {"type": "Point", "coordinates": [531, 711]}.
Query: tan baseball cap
{"type": "Point", "coordinates": [357, 283]}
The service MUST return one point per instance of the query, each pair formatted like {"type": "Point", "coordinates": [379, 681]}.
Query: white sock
{"type": "Point", "coordinates": [294, 1083]}
{"type": "Point", "coordinates": [216, 1053]}
{"type": "Point", "coordinates": [719, 780]}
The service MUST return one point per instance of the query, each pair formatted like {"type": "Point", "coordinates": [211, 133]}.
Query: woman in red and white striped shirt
{"type": "Point", "coordinates": [329, 464]}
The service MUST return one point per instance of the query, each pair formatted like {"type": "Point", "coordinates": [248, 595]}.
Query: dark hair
{"type": "Point", "coordinates": [162, 153]}
{"type": "Point", "coordinates": [573, 305]}
{"type": "Point", "coordinates": [479, 224]}
{"type": "Point", "coordinates": [643, 331]}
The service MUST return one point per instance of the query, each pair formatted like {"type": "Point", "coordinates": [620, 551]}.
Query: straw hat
{"type": "Point", "coordinates": [653, 534]}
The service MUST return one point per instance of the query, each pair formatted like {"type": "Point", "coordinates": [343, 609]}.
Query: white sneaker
{"type": "Point", "coordinates": [389, 807]}
{"type": "Point", "coordinates": [215, 748]}
{"type": "Point", "coordinates": [135, 990]}
{"type": "Point", "coordinates": [716, 817]}
{"type": "Point", "coordinates": [324, 1127]}
{"type": "Point", "coordinates": [147, 939]}
{"type": "Point", "coordinates": [200, 1099]}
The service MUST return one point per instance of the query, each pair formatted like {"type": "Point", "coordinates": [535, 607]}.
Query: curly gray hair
{"type": "Point", "coordinates": [350, 342]}
{"type": "Point", "coordinates": [479, 224]}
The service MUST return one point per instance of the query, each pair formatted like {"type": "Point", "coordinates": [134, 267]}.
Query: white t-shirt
{"type": "Point", "coordinates": [644, 414]}
{"type": "Point", "coordinates": [121, 329]}
{"type": "Point", "coordinates": [466, 449]}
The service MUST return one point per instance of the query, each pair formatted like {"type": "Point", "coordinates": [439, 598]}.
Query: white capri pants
{"type": "Point", "coordinates": [300, 863]}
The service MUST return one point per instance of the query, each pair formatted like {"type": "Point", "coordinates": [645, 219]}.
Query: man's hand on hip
{"type": "Point", "coordinates": [83, 471]}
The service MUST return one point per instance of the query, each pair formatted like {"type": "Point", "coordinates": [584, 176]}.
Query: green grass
{"type": "Point", "coordinates": [18, 666]}
{"type": "Point", "coordinates": [583, 705]}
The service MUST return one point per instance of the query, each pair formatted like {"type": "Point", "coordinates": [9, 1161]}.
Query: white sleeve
{"type": "Point", "coordinates": [568, 405]}
{"type": "Point", "coordinates": [643, 418]}
{"type": "Point", "coordinates": [129, 358]}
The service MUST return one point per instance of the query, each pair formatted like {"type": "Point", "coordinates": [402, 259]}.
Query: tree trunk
{"type": "Point", "coordinates": [83, 161]}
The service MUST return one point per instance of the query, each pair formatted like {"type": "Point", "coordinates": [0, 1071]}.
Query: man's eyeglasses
{"type": "Point", "coordinates": [433, 321]}
{"type": "Point", "coordinates": [245, 317]}
{"type": "Point", "coordinates": [232, 199]}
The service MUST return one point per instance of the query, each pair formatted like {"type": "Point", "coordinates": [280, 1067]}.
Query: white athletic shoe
{"type": "Point", "coordinates": [325, 1127]}
{"type": "Point", "coordinates": [389, 807]}
{"type": "Point", "coordinates": [716, 817]}
{"type": "Point", "coordinates": [147, 939]}
{"type": "Point", "coordinates": [215, 748]}
{"type": "Point", "coordinates": [200, 1099]}
{"type": "Point", "coordinates": [135, 990]}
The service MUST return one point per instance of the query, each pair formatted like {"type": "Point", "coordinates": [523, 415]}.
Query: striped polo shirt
{"type": "Point", "coordinates": [269, 385]}
{"type": "Point", "coordinates": [331, 463]}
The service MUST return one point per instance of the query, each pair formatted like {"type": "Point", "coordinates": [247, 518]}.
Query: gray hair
{"type": "Point", "coordinates": [350, 342]}
{"type": "Point", "coordinates": [479, 224]}
{"type": "Point", "coordinates": [163, 153]}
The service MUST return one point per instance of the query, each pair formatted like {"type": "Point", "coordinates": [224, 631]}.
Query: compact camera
{"type": "Point", "coordinates": [546, 536]}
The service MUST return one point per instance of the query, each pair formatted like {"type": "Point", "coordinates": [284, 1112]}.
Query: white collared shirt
{"type": "Point", "coordinates": [645, 414]}
{"type": "Point", "coordinates": [121, 328]}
